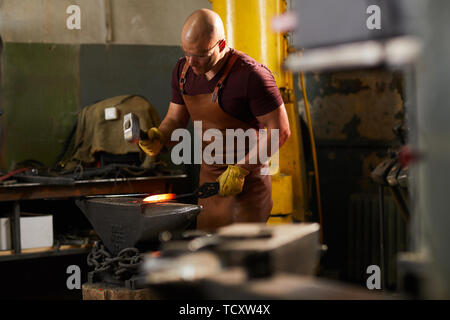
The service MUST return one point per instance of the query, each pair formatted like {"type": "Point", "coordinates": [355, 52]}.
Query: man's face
{"type": "Point", "coordinates": [202, 57]}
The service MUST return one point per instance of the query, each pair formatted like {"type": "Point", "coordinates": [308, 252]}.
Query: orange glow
{"type": "Point", "coordinates": [160, 198]}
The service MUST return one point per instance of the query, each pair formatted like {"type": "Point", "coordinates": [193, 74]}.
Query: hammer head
{"type": "Point", "coordinates": [131, 128]}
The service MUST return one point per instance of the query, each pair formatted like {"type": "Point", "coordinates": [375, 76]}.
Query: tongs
{"type": "Point", "coordinates": [206, 190]}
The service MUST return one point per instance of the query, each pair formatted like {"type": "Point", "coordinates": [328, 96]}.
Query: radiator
{"type": "Point", "coordinates": [364, 237]}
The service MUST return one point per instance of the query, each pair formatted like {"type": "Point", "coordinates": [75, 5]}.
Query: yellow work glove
{"type": "Point", "coordinates": [232, 181]}
{"type": "Point", "coordinates": [154, 144]}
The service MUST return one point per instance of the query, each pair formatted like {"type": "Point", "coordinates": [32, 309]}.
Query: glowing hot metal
{"type": "Point", "coordinates": [206, 190]}
{"type": "Point", "coordinates": [160, 198]}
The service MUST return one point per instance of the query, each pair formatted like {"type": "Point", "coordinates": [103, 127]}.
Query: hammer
{"type": "Point", "coordinates": [131, 129]}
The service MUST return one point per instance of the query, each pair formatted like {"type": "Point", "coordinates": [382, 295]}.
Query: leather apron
{"type": "Point", "coordinates": [254, 203]}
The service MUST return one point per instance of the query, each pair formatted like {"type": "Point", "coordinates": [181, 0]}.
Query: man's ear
{"type": "Point", "coordinates": [222, 44]}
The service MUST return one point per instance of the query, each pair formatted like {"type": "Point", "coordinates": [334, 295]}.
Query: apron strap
{"type": "Point", "coordinates": [183, 76]}
{"type": "Point", "coordinates": [219, 84]}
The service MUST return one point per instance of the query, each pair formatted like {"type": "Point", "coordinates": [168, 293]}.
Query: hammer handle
{"type": "Point", "coordinates": [143, 135]}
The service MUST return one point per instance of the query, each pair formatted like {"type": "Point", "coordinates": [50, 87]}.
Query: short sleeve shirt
{"type": "Point", "coordinates": [249, 90]}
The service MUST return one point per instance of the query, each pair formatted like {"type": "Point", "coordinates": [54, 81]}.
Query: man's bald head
{"type": "Point", "coordinates": [203, 41]}
{"type": "Point", "coordinates": [202, 29]}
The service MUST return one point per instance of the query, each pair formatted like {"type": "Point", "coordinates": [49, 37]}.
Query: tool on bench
{"type": "Point", "coordinates": [33, 175]}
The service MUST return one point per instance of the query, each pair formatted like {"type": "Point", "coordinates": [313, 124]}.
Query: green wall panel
{"type": "Point", "coordinates": [108, 71]}
{"type": "Point", "coordinates": [40, 100]}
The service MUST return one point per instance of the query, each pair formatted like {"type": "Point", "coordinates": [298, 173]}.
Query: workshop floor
{"type": "Point", "coordinates": [40, 279]}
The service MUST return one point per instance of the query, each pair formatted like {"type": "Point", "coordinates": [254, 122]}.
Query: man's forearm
{"type": "Point", "coordinates": [253, 159]}
{"type": "Point", "coordinates": [168, 125]}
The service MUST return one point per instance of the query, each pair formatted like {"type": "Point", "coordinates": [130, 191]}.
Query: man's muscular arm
{"type": "Point", "coordinates": [177, 117]}
{"type": "Point", "coordinates": [276, 119]}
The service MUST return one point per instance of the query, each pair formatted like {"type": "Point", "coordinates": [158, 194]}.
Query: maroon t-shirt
{"type": "Point", "coordinates": [249, 90]}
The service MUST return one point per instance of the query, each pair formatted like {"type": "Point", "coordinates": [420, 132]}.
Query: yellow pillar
{"type": "Point", "coordinates": [248, 29]}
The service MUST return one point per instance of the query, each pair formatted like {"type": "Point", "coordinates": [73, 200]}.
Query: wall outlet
{"type": "Point", "coordinates": [111, 113]}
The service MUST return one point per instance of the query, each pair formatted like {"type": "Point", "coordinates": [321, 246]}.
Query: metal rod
{"type": "Point", "coordinates": [193, 194]}
{"type": "Point", "coordinates": [314, 153]}
{"type": "Point", "coordinates": [400, 202]}
{"type": "Point", "coordinates": [108, 21]}
{"type": "Point", "coordinates": [383, 271]}
{"type": "Point", "coordinates": [118, 195]}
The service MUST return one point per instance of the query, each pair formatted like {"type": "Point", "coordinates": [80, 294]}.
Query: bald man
{"type": "Point", "coordinates": [224, 89]}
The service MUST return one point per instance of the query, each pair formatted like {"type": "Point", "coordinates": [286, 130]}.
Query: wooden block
{"type": "Point", "coordinates": [102, 291]}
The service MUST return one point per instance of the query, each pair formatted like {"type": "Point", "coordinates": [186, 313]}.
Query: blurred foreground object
{"type": "Point", "coordinates": [346, 34]}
